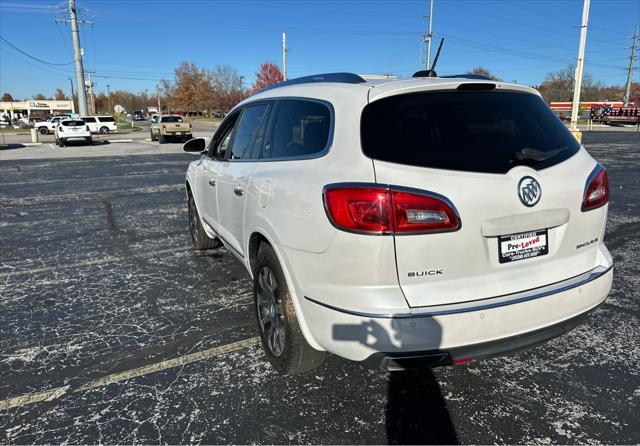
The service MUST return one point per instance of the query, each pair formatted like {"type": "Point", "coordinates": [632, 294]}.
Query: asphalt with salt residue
{"type": "Point", "coordinates": [97, 278]}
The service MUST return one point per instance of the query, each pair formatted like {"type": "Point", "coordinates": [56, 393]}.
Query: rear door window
{"type": "Point", "coordinates": [475, 131]}
{"type": "Point", "coordinates": [89, 119]}
{"type": "Point", "coordinates": [301, 128]}
{"type": "Point", "coordinates": [106, 119]}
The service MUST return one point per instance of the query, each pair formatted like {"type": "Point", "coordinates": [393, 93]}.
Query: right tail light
{"type": "Point", "coordinates": [596, 190]}
{"type": "Point", "coordinates": [376, 209]}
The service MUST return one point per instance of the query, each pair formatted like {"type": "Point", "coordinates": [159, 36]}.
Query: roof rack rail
{"type": "Point", "coordinates": [342, 78]}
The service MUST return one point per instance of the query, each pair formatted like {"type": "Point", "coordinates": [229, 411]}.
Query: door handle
{"type": "Point", "coordinates": [212, 183]}
{"type": "Point", "coordinates": [238, 191]}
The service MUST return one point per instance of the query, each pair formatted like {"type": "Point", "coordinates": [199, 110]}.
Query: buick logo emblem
{"type": "Point", "coordinates": [529, 191]}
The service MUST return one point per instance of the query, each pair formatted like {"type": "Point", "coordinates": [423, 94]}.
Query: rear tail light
{"type": "Point", "coordinates": [596, 190]}
{"type": "Point", "coordinates": [190, 125]}
{"type": "Point", "coordinates": [373, 209]}
{"type": "Point", "coordinates": [87, 128]}
{"type": "Point", "coordinates": [164, 126]}
{"type": "Point", "coordinates": [61, 129]}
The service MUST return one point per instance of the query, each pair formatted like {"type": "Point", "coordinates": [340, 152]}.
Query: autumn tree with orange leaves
{"type": "Point", "coordinates": [269, 74]}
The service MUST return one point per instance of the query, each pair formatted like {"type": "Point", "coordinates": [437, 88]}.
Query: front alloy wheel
{"type": "Point", "coordinates": [270, 314]}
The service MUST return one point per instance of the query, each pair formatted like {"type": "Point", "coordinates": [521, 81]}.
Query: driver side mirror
{"type": "Point", "coordinates": [195, 145]}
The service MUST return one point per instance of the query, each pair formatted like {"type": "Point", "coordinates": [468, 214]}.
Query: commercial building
{"type": "Point", "coordinates": [34, 110]}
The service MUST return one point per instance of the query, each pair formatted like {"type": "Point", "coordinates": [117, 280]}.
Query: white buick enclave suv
{"type": "Point", "coordinates": [428, 221]}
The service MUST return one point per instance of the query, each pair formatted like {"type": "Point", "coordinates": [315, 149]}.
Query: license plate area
{"type": "Point", "coordinates": [525, 245]}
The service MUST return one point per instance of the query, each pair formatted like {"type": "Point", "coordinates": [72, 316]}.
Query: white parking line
{"type": "Point", "coordinates": [91, 262]}
{"type": "Point", "coordinates": [52, 146]}
{"type": "Point", "coordinates": [57, 392]}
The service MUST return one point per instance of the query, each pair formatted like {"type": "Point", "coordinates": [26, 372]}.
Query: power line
{"type": "Point", "coordinates": [6, 42]}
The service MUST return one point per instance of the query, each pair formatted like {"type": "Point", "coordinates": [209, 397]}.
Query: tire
{"type": "Point", "coordinates": [282, 340]}
{"type": "Point", "coordinates": [162, 139]}
{"type": "Point", "coordinates": [153, 138]}
{"type": "Point", "coordinates": [90, 141]}
{"type": "Point", "coordinates": [104, 130]}
{"type": "Point", "coordinates": [61, 142]}
{"type": "Point", "coordinates": [199, 237]}
{"type": "Point", "coordinates": [43, 130]}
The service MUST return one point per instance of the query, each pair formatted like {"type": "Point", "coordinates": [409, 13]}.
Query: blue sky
{"type": "Point", "coordinates": [134, 44]}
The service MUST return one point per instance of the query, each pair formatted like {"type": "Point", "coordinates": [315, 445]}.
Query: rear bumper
{"type": "Point", "coordinates": [442, 336]}
{"type": "Point", "coordinates": [484, 350]}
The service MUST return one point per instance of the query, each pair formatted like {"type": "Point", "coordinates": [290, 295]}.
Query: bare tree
{"type": "Point", "coordinates": [227, 88]}
{"type": "Point", "coordinates": [7, 98]}
{"type": "Point", "coordinates": [484, 72]}
{"type": "Point", "coordinates": [558, 86]}
{"type": "Point", "coordinates": [39, 97]}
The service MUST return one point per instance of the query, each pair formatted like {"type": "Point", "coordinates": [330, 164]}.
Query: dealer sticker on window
{"type": "Point", "coordinates": [522, 246]}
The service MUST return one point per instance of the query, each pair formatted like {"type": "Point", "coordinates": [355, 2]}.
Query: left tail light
{"type": "Point", "coordinates": [88, 129]}
{"type": "Point", "coordinates": [190, 126]}
{"type": "Point", "coordinates": [376, 209]}
{"type": "Point", "coordinates": [596, 190]}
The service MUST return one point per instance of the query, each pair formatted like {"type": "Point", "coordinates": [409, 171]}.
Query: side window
{"type": "Point", "coordinates": [300, 128]}
{"type": "Point", "coordinates": [222, 137]}
{"type": "Point", "coordinates": [248, 132]}
{"type": "Point", "coordinates": [89, 119]}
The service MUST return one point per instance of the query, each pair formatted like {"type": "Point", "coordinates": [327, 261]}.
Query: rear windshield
{"type": "Point", "coordinates": [106, 119]}
{"type": "Point", "coordinates": [476, 131]}
{"type": "Point", "coordinates": [171, 119]}
{"type": "Point", "coordinates": [72, 123]}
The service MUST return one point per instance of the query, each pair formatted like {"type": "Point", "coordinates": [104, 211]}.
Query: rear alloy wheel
{"type": "Point", "coordinates": [282, 340]}
{"type": "Point", "coordinates": [104, 130]}
{"type": "Point", "coordinates": [43, 130]}
{"type": "Point", "coordinates": [200, 238]}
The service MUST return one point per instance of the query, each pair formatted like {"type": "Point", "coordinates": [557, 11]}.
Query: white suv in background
{"type": "Point", "coordinates": [101, 124]}
{"type": "Point", "coordinates": [72, 130]}
{"type": "Point", "coordinates": [428, 221]}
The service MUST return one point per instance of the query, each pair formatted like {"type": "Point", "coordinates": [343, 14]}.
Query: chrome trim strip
{"type": "Point", "coordinates": [224, 242]}
{"type": "Point", "coordinates": [483, 304]}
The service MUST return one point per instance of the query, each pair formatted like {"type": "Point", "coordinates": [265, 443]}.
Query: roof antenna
{"type": "Point", "coordinates": [432, 71]}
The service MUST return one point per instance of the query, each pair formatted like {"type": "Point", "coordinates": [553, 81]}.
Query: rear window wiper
{"type": "Point", "coordinates": [531, 154]}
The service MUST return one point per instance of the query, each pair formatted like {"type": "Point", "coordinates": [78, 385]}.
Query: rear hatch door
{"type": "Point", "coordinates": [515, 176]}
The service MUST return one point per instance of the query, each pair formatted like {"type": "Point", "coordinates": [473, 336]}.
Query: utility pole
{"type": "Point", "coordinates": [427, 38]}
{"type": "Point", "coordinates": [158, 98]}
{"type": "Point", "coordinates": [284, 56]}
{"type": "Point", "coordinates": [109, 97]}
{"type": "Point", "coordinates": [627, 90]}
{"type": "Point", "coordinates": [77, 56]}
{"type": "Point", "coordinates": [73, 101]}
{"type": "Point", "coordinates": [579, 66]}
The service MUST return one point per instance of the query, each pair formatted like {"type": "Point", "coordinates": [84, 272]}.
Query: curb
{"type": "Point", "coordinates": [111, 141]}
{"type": "Point", "coordinates": [31, 144]}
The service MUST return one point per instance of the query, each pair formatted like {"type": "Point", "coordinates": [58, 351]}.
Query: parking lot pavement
{"type": "Point", "coordinates": [113, 330]}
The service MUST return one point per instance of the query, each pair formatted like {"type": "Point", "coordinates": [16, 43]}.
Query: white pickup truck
{"type": "Point", "coordinates": [48, 126]}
